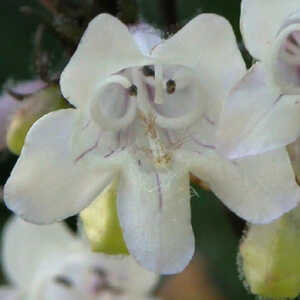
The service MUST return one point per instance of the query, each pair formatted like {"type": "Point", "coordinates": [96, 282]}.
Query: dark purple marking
{"type": "Point", "coordinates": [168, 137]}
{"type": "Point", "coordinates": [277, 99]}
{"type": "Point", "coordinates": [114, 151]}
{"type": "Point", "coordinates": [86, 125]}
{"type": "Point", "coordinates": [204, 145]}
{"type": "Point", "coordinates": [211, 122]}
{"type": "Point", "coordinates": [198, 152]}
{"type": "Point", "coordinates": [86, 152]}
{"type": "Point", "coordinates": [293, 40]}
{"type": "Point", "coordinates": [109, 154]}
{"type": "Point", "coordinates": [160, 197]}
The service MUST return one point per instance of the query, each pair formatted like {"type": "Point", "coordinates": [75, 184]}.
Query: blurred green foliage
{"type": "Point", "coordinates": [217, 231]}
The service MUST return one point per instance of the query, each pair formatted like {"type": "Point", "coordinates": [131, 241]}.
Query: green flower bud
{"type": "Point", "coordinates": [294, 153]}
{"type": "Point", "coordinates": [270, 257]}
{"type": "Point", "coordinates": [101, 223]}
{"type": "Point", "coordinates": [33, 107]}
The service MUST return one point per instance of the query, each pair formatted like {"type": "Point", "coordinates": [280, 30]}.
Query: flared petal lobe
{"type": "Point", "coordinates": [47, 184]}
{"type": "Point", "coordinates": [7, 293]}
{"type": "Point", "coordinates": [98, 56]}
{"type": "Point", "coordinates": [256, 118]}
{"type": "Point", "coordinates": [197, 45]}
{"type": "Point", "coordinates": [154, 212]}
{"type": "Point", "coordinates": [260, 22]}
{"type": "Point", "coordinates": [257, 188]}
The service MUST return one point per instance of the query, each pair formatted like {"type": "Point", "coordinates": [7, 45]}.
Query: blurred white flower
{"type": "Point", "coordinates": [9, 105]}
{"type": "Point", "coordinates": [262, 111]}
{"type": "Point", "coordinates": [147, 120]}
{"type": "Point", "coordinates": [48, 262]}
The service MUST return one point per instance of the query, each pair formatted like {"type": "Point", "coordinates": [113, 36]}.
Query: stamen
{"type": "Point", "coordinates": [132, 90]}
{"type": "Point", "coordinates": [171, 86]}
{"type": "Point", "coordinates": [148, 71]}
{"type": "Point", "coordinates": [60, 279]}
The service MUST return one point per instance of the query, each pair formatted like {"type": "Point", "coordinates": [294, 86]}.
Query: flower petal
{"type": "Point", "coordinates": [258, 188]}
{"type": "Point", "coordinates": [124, 273]}
{"type": "Point", "coordinates": [284, 61]}
{"type": "Point", "coordinates": [260, 22]}
{"type": "Point", "coordinates": [47, 184]}
{"type": "Point", "coordinates": [26, 246]}
{"type": "Point", "coordinates": [218, 70]}
{"type": "Point", "coordinates": [7, 293]}
{"type": "Point", "coordinates": [152, 206]}
{"type": "Point", "coordinates": [106, 47]}
{"type": "Point", "coordinates": [170, 108]}
{"type": "Point", "coordinates": [255, 118]}
{"type": "Point", "coordinates": [145, 36]}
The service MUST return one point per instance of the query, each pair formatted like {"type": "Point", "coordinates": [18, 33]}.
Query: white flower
{"type": "Point", "coordinates": [48, 262]}
{"type": "Point", "coordinates": [262, 111]}
{"type": "Point", "coordinates": [148, 120]}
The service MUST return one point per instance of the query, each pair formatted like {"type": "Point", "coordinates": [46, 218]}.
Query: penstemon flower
{"type": "Point", "coordinates": [263, 109]}
{"type": "Point", "coordinates": [48, 262]}
{"type": "Point", "coordinates": [148, 120]}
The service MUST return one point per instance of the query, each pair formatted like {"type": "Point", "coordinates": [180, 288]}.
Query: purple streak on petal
{"type": "Point", "coordinates": [86, 125]}
{"type": "Point", "coordinates": [203, 144]}
{"type": "Point", "coordinates": [87, 151]}
{"type": "Point", "coordinates": [277, 99]}
{"type": "Point", "coordinates": [109, 154]}
{"type": "Point", "coordinates": [211, 122]}
{"type": "Point", "coordinates": [114, 151]}
{"type": "Point", "coordinates": [168, 137]}
{"type": "Point", "coordinates": [198, 152]}
{"type": "Point", "coordinates": [160, 197]}
{"type": "Point", "coordinates": [151, 93]}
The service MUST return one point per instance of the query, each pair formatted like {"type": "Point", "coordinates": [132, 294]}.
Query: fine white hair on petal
{"type": "Point", "coordinates": [146, 37]}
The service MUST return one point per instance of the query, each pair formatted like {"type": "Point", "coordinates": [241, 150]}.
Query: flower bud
{"type": "Point", "coordinates": [294, 153]}
{"type": "Point", "coordinates": [270, 257]}
{"type": "Point", "coordinates": [101, 223]}
{"type": "Point", "coordinates": [32, 108]}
